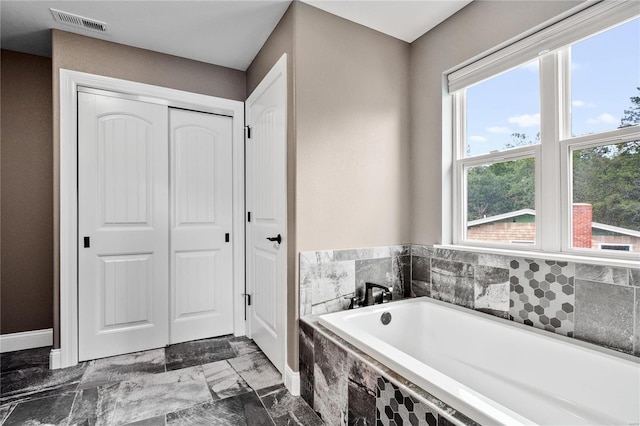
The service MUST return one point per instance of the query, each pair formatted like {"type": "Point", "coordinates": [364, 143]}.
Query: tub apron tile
{"type": "Point", "coordinates": [330, 381]}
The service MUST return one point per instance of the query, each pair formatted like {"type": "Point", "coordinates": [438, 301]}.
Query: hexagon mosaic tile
{"type": "Point", "coordinates": [542, 294]}
{"type": "Point", "coordinates": [393, 408]}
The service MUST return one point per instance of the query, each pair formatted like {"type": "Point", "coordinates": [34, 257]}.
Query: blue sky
{"type": "Point", "coordinates": [605, 74]}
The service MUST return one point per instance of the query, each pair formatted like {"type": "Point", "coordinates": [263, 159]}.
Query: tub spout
{"type": "Point", "coordinates": [368, 293]}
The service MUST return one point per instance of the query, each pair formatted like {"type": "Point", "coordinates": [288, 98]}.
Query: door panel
{"type": "Point", "coordinates": [201, 259]}
{"type": "Point", "coordinates": [122, 209]}
{"type": "Point", "coordinates": [266, 188]}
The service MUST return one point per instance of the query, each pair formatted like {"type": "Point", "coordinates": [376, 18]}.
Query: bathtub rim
{"type": "Point", "coordinates": [468, 409]}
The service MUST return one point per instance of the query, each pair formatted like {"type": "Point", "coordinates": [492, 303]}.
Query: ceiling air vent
{"type": "Point", "coordinates": [78, 21]}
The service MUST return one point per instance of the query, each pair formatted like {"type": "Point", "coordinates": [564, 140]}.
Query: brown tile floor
{"type": "Point", "coordinates": [221, 381]}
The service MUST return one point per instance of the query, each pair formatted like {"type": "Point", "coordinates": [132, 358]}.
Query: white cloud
{"type": "Point", "coordinates": [525, 120]}
{"type": "Point", "coordinates": [478, 139]}
{"type": "Point", "coordinates": [497, 129]}
{"type": "Point", "coordinates": [603, 118]}
{"type": "Point", "coordinates": [579, 104]}
{"type": "Point", "coordinates": [575, 66]}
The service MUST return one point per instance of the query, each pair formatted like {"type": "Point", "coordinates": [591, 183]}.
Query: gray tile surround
{"type": "Point", "coordinates": [477, 281]}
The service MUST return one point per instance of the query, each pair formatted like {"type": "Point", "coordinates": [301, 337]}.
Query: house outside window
{"type": "Point", "coordinates": [546, 139]}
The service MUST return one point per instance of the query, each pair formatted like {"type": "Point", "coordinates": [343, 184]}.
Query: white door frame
{"type": "Point", "coordinates": [70, 82]}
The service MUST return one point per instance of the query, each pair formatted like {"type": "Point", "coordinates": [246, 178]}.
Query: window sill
{"type": "Point", "coordinates": [591, 260]}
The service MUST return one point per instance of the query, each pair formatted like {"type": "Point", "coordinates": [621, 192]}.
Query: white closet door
{"type": "Point", "coordinates": [201, 217]}
{"type": "Point", "coordinates": [123, 226]}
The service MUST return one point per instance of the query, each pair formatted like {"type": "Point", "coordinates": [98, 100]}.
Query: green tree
{"type": "Point", "coordinates": [608, 177]}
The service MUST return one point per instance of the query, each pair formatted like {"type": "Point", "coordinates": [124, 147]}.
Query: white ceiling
{"type": "Point", "coordinates": [406, 20]}
{"type": "Point", "coordinates": [227, 33]}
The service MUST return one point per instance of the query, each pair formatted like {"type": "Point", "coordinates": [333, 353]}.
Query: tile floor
{"type": "Point", "coordinates": [221, 381]}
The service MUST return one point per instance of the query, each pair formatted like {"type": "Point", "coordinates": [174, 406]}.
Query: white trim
{"type": "Point", "coordinates": [55, 359]}
{"type": "Point", "coordinates": [583, 24]}
{"type": "Point", "coordinates": [26, 340]}
{"type": "Point", "coordinates": [292, 381]}
{"type": "Point", "coordinates": [615, 229]}
{"type": "Point", "coordinates": [70, 81]}
{"type": "Point", "coordinates": [502, 216]}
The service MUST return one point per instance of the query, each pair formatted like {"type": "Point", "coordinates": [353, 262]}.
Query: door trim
{"type": "Point", "coordinates": [70, 83]}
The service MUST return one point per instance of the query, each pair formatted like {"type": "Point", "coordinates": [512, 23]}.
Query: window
{"type": "Point", "coordinates": [547, 145]}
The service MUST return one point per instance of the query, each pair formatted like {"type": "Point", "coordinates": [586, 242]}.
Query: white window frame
{"type": "Point", "coordinates": [552, 47]}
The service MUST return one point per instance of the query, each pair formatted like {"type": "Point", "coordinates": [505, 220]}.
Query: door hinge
{"type": "Point", "coordinates": [248, 216]}
{"type": "Point", "coordinates": [248, 132]}
{"type": "Point", "coordinates": [247, 297]}
{"type": "Point", "coordinates": [87, 242]}
{"type": "Point", "coordinates": [226, 237]}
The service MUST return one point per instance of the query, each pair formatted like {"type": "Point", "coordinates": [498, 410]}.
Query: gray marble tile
{"type": "Point", "coordinates": [223, 381]}
{"type": "Point", "coordinates": [330, 281]}
{"type": "Point", "coordinates": [305, 301]}
{"type": "Point", "coordinates": [335, 305]}
{"type": "Point", "coordinates": [152, 396]}
{"type": "Point", "coordinates": [243, 345]}
{"type": "Point", "coordinates": [361, 392]}
{"type": "Point", "coordinates": [155, 421]}
{"type": "Point", "coordinates": [603, 274]}
{"type": "Point", "coordinates": [330, 381]}
{"type": "Point", "coordinates": [286, 409]}
{"type": "Point", "coordinates": [357, 254]}
{"type": "Point", "coordinates": [604, 314]}
{"type": "Point", "coordinates": [316, 257]}
{"type": "Point", "coordinates": [373, 270]}
{"type": "Point", "coordinates": [452, 282]}
{"type": "Point", "coordinates": [491, 290]}
{"type": "Point", "coordinates": [636, 344]}
{"type": "Point", "coordinates": [241, 410]}
{"type": "Point", "coordinates": [18, 397]}
{"type": "Point", "coordinates": [495, 260]}
{"type": "Point", "coordinates": [20, 384]}
{"type": "Point", "coordinates": [123, 367]}
{"type": "Point", "coordinates": [420, 288]}
{"type": "Point", "coordinates": [401, 276]}
{"type": "Point", "coordinates": [306, 361]}
{"type": "Point", "coordinates": [28, 358]}
{"type": "Point", "coordinates": [256, 369]}
{"type": "Point", "coordinates": [53, 410]}
{"type": "Point", "coordinates": [421, 269]}
{"type": "Point", "coordinates": [634, 277]}
{"type": "Point", "coordinates": [421, 250]}
{"type": "Point", "coordinates": [198, 352]}
{"type": "Point", "coordinates": [5, 410]}
{"type": "Point", "coordinates": [95, 406]}
{"type": "Point", "coordinates": [456, 255]}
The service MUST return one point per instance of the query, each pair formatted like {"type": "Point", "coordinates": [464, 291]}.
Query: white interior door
{"type": "Point", "coordinates": [123, 226]}
{"type": "Point", "coordinates": [201, 223]}
{"type": "Point", "coordinates": [266, 111]}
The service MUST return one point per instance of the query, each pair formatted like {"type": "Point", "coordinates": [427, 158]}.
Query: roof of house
{"type": "Point", "coordinates": [532, 212]}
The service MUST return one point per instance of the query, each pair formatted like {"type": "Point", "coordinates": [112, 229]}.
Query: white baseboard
{"type": "Point", "coordinates": [26, 340]}
{"type": "Point", "coordinates": [292, 381]}
{"type": "Point", "coordinates": [55, 360]}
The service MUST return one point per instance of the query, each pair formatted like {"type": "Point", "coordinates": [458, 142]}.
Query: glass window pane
{"type": "Point", "coordinates": [605, 74]}
{"type": "Point", "coordinates": [501, 202]}
{"type": "Point", "coordinates": [606, 197]}
{"type": "Point", "coordinates": [504, 111]}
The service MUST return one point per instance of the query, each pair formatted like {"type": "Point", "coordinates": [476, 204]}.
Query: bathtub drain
{"type": "Point", "coordinates": [385, 318]}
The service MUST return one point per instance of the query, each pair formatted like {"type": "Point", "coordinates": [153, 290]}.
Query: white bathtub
{"type": "Point", "coordinates": [492, 370]}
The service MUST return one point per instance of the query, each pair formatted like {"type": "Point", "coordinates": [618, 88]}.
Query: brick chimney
{"type": "Point", "coordinates": [582, 217]}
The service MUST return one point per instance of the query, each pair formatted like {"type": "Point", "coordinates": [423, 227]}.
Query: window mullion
{"type": "Point", "coordinates": [548, 182]}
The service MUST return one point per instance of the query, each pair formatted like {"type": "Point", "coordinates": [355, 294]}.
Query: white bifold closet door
{"type": "Point", "coordinates": [201, 218]}
{"type": "Point", "coordinates": [154, 208]}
